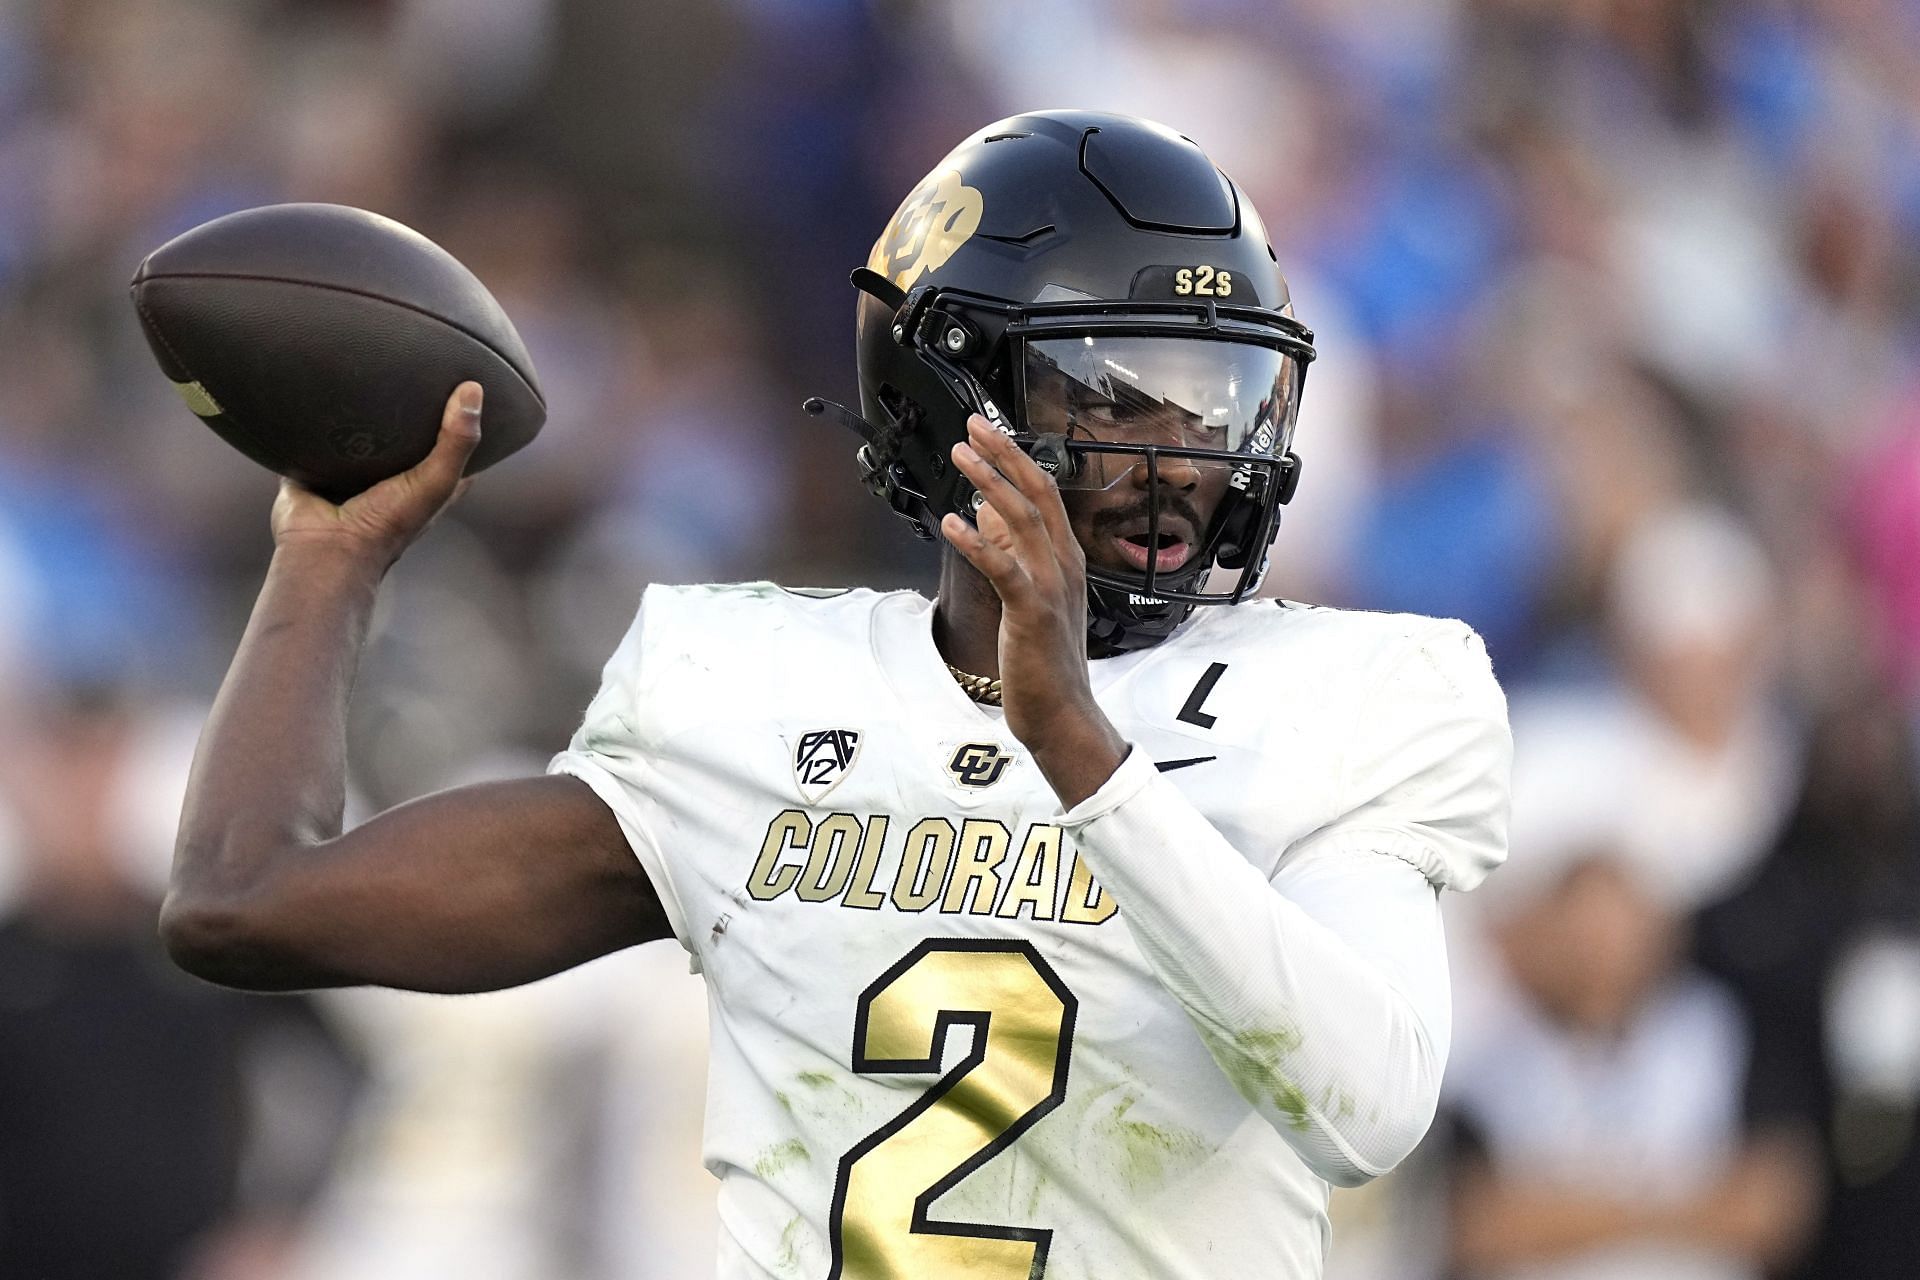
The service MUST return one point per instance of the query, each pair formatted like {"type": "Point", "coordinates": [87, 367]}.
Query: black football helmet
{"type": "Point", "coordinates": [1094, 287]}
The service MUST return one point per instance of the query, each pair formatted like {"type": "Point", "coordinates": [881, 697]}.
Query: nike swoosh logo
{"type": "Point", "coordinates": [1168, 766]}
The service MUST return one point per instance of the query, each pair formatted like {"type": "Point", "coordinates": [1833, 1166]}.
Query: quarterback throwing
{"type": "Point", "coordinates": [1078, 922]}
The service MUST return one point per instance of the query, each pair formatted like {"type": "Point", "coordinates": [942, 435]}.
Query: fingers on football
{"type": "Point", "coordinates": [440, 471]}
{"type": "Point", "coordinates": [1024, 474]}
{"type": "Point", "coordinates": [459, 436]}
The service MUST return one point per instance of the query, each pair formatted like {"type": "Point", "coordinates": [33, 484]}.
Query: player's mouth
{"type": "Point", "coordinates": [1168, 552]}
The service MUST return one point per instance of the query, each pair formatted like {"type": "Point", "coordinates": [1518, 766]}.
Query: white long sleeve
{"type": "Point", "coordinates": [1322, 992]}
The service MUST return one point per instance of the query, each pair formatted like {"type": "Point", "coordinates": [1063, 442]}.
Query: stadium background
{"type": "Point", "coordinates": [1616, 301]}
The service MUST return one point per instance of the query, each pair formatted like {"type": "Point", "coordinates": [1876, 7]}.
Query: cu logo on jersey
{"type": "Point", "coordinates": [822, 758]}
{"type": "Point", "coordinates": [978, 764]}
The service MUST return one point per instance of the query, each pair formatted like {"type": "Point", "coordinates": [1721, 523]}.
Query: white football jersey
{"type": "Point", "coordinates": [936, 1049]}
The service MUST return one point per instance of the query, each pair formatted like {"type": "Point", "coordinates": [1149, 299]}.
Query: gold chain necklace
{"type": "Point", "coordinates": [980, 688]}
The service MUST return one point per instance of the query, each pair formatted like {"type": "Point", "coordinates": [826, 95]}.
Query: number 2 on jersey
{"type": "Point", "coordinates": [1016, 1072]}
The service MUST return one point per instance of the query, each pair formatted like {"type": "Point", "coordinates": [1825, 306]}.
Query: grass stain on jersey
{"type": "Point", "coordinates": [1151, 1155]}
{"type": "Point", "coordinates": [1292, 1104]}
{"type": "Point", "coordinates": [1254, 1061]}
{"type": "Point", "coordinates": [780, 1157]}
{"type": "Point", "coordinates": [816, 1094]}
{"type": "Point", "coordinates": [787, 1261]}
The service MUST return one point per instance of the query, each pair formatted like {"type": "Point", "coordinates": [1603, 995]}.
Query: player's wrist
{"type": "Point", "coordinates": [1077, 753]}
{"type": "Point", "coordinates": [319, 562]}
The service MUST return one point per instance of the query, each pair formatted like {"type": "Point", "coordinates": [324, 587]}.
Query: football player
{"type": "Point", "coordinates": [1080, 921]}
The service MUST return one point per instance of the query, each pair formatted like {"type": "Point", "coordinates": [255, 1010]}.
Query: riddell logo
{"type": "Point", "coordinates": [1135, 598]}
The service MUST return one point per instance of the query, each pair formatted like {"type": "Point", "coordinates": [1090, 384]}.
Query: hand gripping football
{"type": "Point", "coordinates": [323, 342]}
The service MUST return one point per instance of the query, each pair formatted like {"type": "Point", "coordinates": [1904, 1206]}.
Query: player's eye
{"type": "Point", "coordinates": [1095, 415]}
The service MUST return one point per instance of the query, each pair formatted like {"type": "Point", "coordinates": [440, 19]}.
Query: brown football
{"type": "Point", "coordinates": [323, 342]}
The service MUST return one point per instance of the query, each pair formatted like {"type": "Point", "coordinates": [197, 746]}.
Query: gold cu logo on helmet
{"type": "Point", "coordinates": [941, 215]}
{"type": "Point", "coordinates": [978, 764]}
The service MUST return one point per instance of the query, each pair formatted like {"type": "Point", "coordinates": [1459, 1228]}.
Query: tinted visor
{"type": "Point", "coordinates": [1215, 403]}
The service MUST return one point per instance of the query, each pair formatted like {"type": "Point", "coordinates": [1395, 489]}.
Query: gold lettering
{"type": "Point", "coordinates": [789, 830]}
{"type": "Point", "coordinates": [924, 864]}
{"type": "Point", "coordinates": [962, 867]}
{"type": "Point", "coordinates": [1203, 281]}
{"type": "Point", "coordinates": [860, 894]}
{"type": "Point", "coordinates": [829, 861]}
{"type": "Point", "coordinates": [1087, 902]}
{"type": "Point", "coordinates": [983, 847]}
{"type": "Point", "coordinates": [1034, 881]}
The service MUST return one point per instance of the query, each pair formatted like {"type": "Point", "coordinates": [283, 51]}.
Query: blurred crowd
{"type": "Point", "coordinates": [1618, 304]}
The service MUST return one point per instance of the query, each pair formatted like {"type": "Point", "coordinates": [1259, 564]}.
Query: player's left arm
{"type": "Point", "coordinates": [1321, 993]}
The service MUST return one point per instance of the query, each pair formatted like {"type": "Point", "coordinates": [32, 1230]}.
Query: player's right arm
{"type": "Point", "coordinates": [469, 890]}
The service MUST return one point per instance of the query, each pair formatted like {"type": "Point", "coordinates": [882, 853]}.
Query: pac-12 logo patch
{"type": "Point", "coordinates": [822, 758]}
{"type": "Point", "coordinates": [978, 764]}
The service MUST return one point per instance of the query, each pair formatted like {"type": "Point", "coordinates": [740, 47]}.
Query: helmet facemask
{"type": "Point", "coordinates": [1187, 407]}
{"type": "Point", "coordinates": [1174, 454]}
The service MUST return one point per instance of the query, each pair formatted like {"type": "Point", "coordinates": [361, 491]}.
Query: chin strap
{"type": "Point", "coordinates": [1120, 620]}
